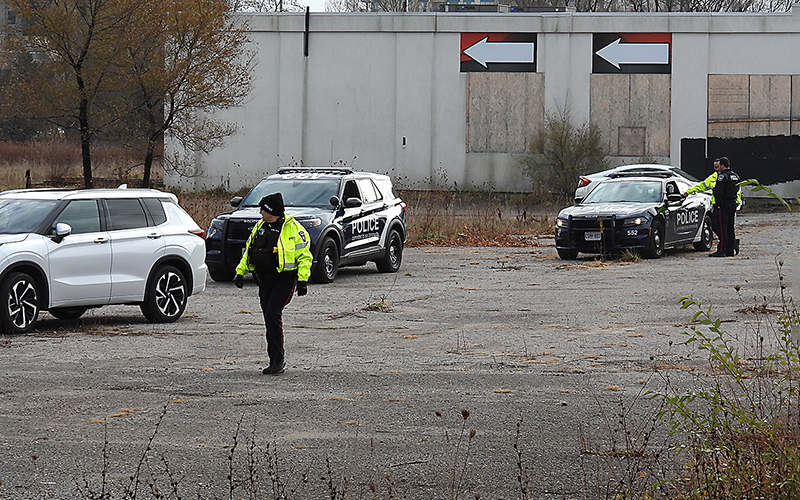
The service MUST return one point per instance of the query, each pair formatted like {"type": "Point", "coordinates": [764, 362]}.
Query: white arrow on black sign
{"type": "Point", "coordinates": [635, 53]}
{"type": "Point", "coordinates": [485, 52]}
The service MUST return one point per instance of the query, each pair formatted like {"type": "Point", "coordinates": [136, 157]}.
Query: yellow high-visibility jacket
{"type": "Point", "coordinates": [707, 185]}
{"type": "Point", "coordinates": [294, 250]}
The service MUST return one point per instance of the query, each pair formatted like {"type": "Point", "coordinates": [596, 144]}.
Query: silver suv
{"type": "Point", "coordinates": [65, 251]}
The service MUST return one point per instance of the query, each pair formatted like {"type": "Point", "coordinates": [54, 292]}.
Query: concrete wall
{"type": "Point", "coordinates": [384, 93]}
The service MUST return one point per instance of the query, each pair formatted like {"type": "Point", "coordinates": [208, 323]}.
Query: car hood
{"type": "Point", "coordinates": [12, 238]}
{"type": "Point", "coordinates": [607, 210]}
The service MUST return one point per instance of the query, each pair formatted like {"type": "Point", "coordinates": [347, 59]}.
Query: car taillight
{"type": "Point", "coordinates": [583, 181]}
{"type": "Point", "coordinates": [403, 205]}
{"type": "Point", "coordinates": [199, 232]}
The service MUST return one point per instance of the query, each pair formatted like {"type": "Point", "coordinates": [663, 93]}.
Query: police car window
{"type": "Point", "coordinates": [378, 192]}
{"type": "Point", "coordinates": [295, 192]}
{"type": "Point", "coordinates": [672, 188]}
{"type": "Point", "coordinates": [126, 214]}
{"type": "Point", "coordinates": [367, 191]}
{"type": "Point", "coordinates": [625, 192]}
{"type": "Point", "coordinates": [82, 215]}
{"type": "Point", "coordinates": [385, 187]}
{"type": "Point", "coordinates": [351, 190]}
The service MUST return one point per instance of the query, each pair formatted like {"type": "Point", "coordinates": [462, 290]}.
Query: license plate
{"type": "Point", "coordinates": [593, 236]}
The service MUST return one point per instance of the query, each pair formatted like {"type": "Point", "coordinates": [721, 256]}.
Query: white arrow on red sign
{"type": "Point", "coordinates": [485, 52]}
{"type": "Point", "coordinates": [635, 53]}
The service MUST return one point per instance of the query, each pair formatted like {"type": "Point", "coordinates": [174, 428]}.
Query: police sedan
{"type": "Point", "coordinates": [643, 214]}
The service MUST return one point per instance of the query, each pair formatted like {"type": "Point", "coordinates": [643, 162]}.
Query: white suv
{"type": "Point", "coordinates": [65, 251]}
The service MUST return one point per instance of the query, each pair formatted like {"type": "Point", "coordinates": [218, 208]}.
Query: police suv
{"type": "Point", "coordinates": [352, 218]}
{"type": "Point", "coordinates": [640, 213]}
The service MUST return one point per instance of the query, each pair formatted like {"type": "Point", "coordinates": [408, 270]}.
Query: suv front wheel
{"type": "Point", "coordinates": [222, 273]}
{"type": "Point", "coordinates": [20, 306]}
{"type": "Point", "coordinates": [328, 264]}
{"type": "Point", "coordinates": [165, 296]}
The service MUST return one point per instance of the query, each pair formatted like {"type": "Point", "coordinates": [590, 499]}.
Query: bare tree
{"type": "Point", "coordinates": [370, 5]}
{"type": "Point", "coordinates": [190, 61]}
{"type": "Point", "coordinates": [76, 47]}
{"type": "Point", "coordinates": [265, 6]}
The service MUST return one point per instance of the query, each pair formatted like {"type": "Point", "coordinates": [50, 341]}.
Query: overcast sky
{"type": "Point", "coordinates": [316, 5]}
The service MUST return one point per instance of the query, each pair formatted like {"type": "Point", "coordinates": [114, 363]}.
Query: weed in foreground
{"type": "Point", "coordinates": [742, 426]}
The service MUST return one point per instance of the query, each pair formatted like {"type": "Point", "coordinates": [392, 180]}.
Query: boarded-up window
{"type": "Point", "coordinates": [504, 111]}
{"type": "Point", "coordinates": [632, 112]}
{"type": "Point", "coordinates": [753, 105]}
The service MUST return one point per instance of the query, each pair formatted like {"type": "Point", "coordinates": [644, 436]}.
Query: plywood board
{"type": "Point", "coordinates": [505, 111]}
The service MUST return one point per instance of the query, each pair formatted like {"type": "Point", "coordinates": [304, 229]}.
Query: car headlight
{"type": "Point", "coordinates": [561, 223]}
{"type": "Point", "coordinates": [638, 221]}
{"type": "Point", "coordinates": [309, 223]}
{"type": "Point", "coordinates": [215, 229]}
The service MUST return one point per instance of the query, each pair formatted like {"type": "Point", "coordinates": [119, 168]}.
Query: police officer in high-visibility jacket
{"type": "Point", "coordinates": [279, 252]}
{"type": "Point", "coordinates": [709, 184]}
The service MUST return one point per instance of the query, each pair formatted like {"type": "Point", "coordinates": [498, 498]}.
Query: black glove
{"type": "Point", "coordinates": [238, 281]}
{"type": "Point", "coordinates": [302, 288]}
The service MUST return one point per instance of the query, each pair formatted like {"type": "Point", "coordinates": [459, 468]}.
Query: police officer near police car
{"type": "Point", "coordinates": [726, 198]}
{"type": "Point", "coordinates": [278, 251]}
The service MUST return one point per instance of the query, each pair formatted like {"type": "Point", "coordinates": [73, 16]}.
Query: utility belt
{"type": "Point", "coordinates": [272, 274]}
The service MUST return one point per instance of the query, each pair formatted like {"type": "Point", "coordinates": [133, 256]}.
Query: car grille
{"type": "Point", "coordinates": [577, 228]}
{"type": "Point", "coordinates": [239, 229]}
{"type": "Point", "coordinates": [236, 234]}
{"type": "Point", "coordinates": [593, 224]}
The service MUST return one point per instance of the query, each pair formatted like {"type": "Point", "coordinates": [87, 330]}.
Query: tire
{"type": "Point", "coordinates": [68, 312]}
{"type": "Point", "coordinates": [165, 296]}
{"type": "Point", "coordinates": [328, 264]}
{"type": "Point", "coordinates": [223, 274]}
{"type": "Point", "coordinates": [567, 254]}
{"type": "Point", "coordinates": [390, 263]}
{"type": "Point", "coordinates": [20, 306]}
{"type": "Point", "coordinates": [706, 237]}
{"type": "Point", "coordinates": [655, 243]}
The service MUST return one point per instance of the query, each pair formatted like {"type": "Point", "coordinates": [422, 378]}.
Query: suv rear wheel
{"type": "Point", "coordinates": [20, 306]}
{"type": "Point", "coordinates": [165, 296]}
{"type": "Point", "coordinates": [706, 237]}
{"type": "Point", "coordinates": [390, 263]}
{"type": "Point", "coordinates": [328, 263]}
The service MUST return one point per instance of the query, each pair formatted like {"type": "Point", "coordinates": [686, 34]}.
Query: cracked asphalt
{"type": "Point", "coordinates": [539, 351]}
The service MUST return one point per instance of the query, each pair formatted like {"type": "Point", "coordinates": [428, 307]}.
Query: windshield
{"type": "Point", "coordinates": [23, 216]}
{"type": "Point", "coordinates": [296, 192]}
{"type": "Point", "coordinates": [625, 191]}
{"type": "Point", "coordinates": [685, 175]}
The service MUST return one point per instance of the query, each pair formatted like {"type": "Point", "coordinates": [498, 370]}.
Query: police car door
{"type": "Point", "coordinates": [374, 215]}
{"type": "Point", "coordinates": [354, 223]}
{"type": "Point", "coordinates": [684, 217]}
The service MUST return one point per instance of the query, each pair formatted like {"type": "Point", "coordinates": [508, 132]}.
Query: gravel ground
{"type": "Point", "coordinates": [538, 351]}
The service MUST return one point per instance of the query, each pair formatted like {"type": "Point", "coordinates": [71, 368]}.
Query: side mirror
{"type": "Point", "coordinates": [236, 201]}
{"type": "Point", "coordinates": [352, 202]}
{"type": "Point", "coordinates": [62, 231]}
{"type": "Point", "coordinates": [334, 201]}
{"type": "Point", "coordinates": [674, 197]}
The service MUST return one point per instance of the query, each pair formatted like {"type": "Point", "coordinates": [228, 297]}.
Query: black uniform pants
{"type": "Point", "coordinates": [715, 220]}
{"type": "Point", "coordinates": [727, 217]}
{"type": "Point", "coordinates": [274, 293]}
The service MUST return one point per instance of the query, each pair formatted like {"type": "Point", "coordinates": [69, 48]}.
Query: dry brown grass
{"type": "Point", "coordinates": [443, 218]}
{"type": "Point", "coordinates": [54, 162]}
